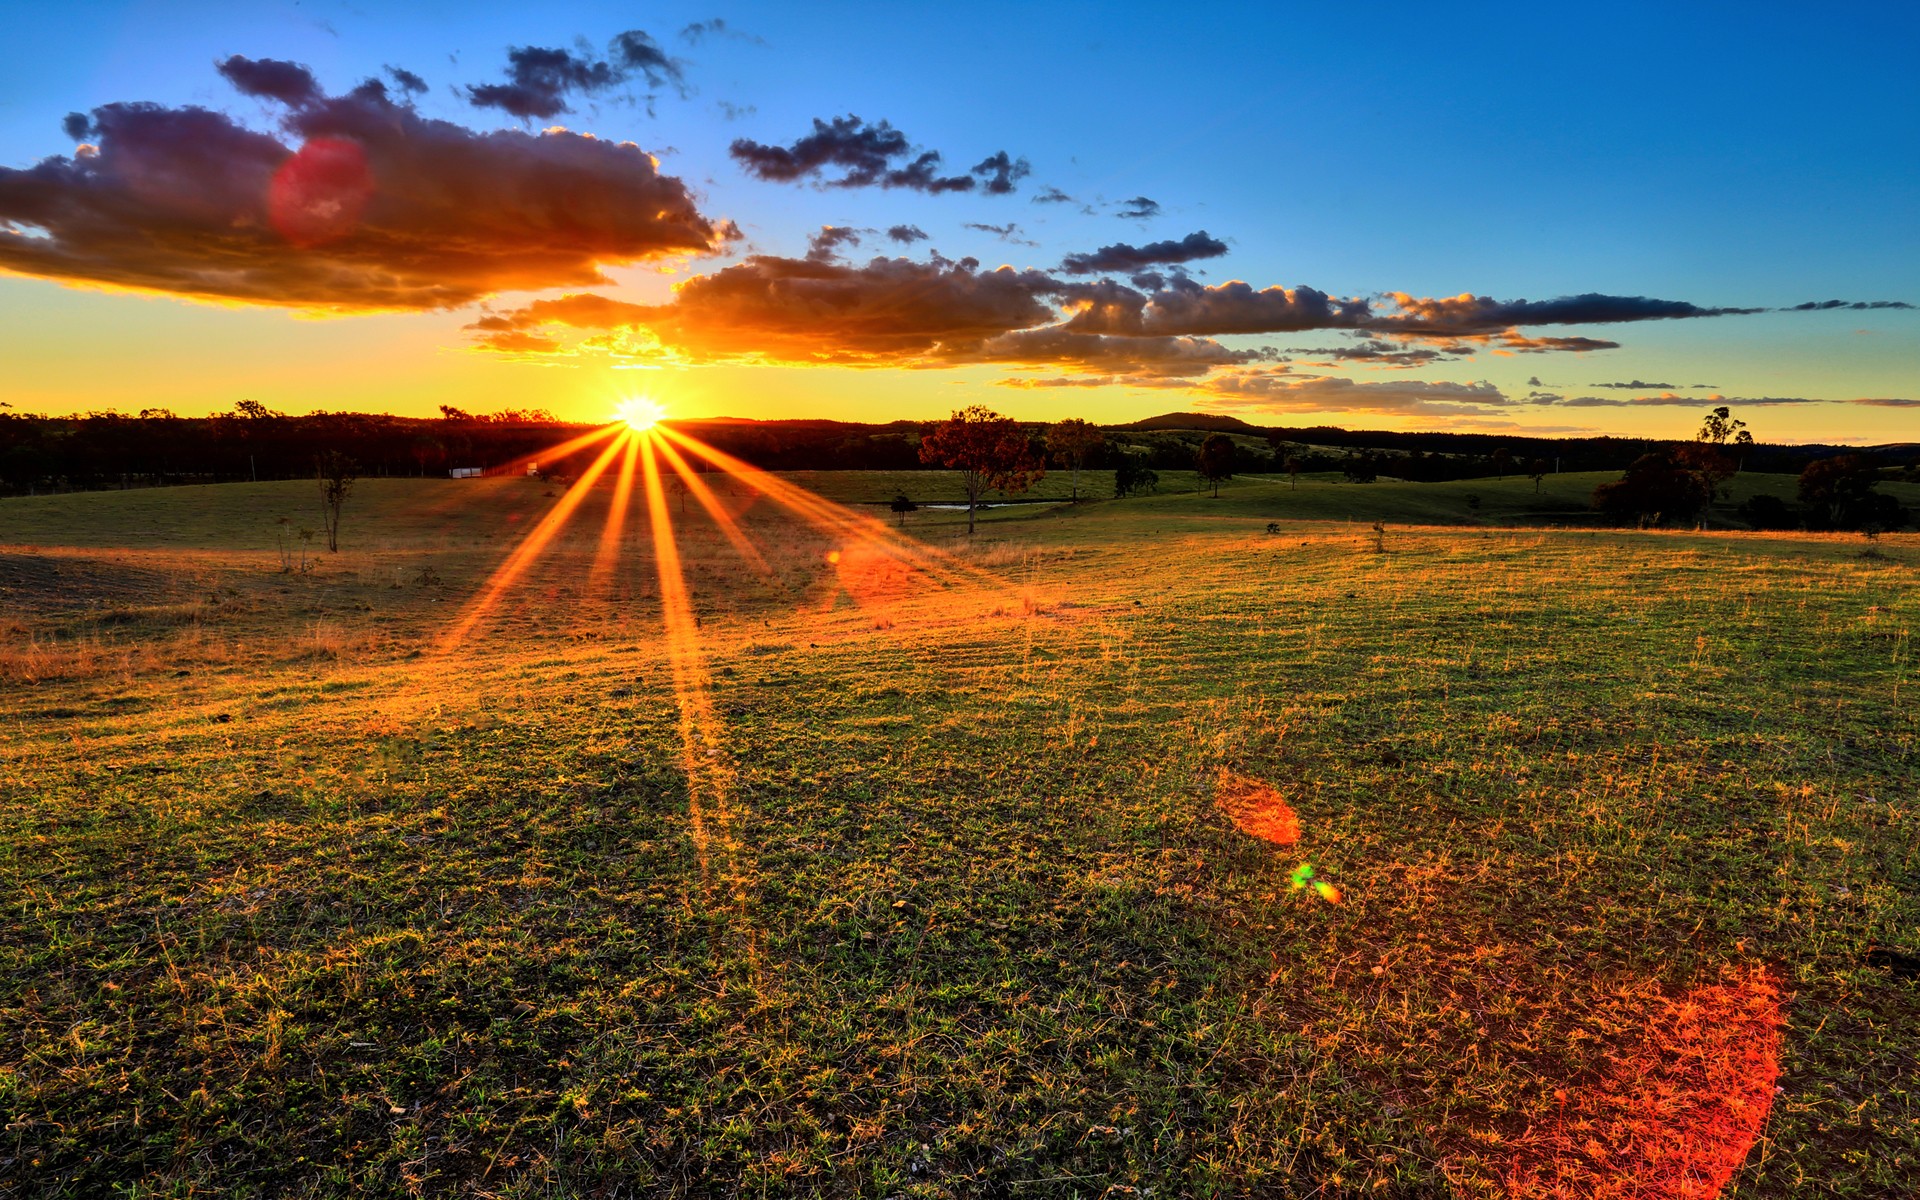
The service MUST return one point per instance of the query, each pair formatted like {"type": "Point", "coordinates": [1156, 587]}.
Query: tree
{"type": "Point", "coordinates": [1840, 493]}
{"type": "Point", "coordinates": [1070, 442]}
{"type": "Point", "coordinates": [1360, 468]}
{"type": "Point", "coordinates": [989, 451]}
{"type": "Point", "coordinates": [1502, 459]}
{"type": "Point", "coordinates": [450, 413]}
{"type": "Point", "coordinates": [1742, 445]}
{"type": "Point", "coordinates": [902, 506]}
{"type": "Point", "coordinates": [1720, 426]}
{"type": "Point", "coordinates": [1657, 486]}
{"type": "Point", "coordinates": [1130, 475]}
{"type": "Point", "coordinates": [1215, 460]}
{"type": "Point", "coordinates": [336, 473]}
{"type": "Point", "coordinates": [1292, 468]}
{"type": "Point", "coordinates": [1537, 470]}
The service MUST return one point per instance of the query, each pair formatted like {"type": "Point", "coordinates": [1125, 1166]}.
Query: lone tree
{"type": "Point", "coordinates": [988, 450]}
{"type": "Point", "coordinates": [1537, 470]}
{"type": "Point", "coordinates": [1070, 442]}
{"type": "Point", "coordinates": [335, 471]}
{"type": "Point", "coordinates": [1707, 455]}
{"type": "Point", "coordinates": [901, 507]}
{"type": "Point", "coordinates": [1292, 468]}
{"type": "Point", "coordinates": [1215, 460]}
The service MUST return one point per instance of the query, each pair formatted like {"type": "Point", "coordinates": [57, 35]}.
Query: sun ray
{"type": "Point", "coordinates": [836, 519]}
{"type": "Point", "coordinates": [615, 527]}
{"type": "Point", "coordinates": [712, 503]}
{"type": "Point", "coordinates": [509, 572]}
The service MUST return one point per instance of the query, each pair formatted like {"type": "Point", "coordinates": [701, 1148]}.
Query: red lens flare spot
{"type": "Point", "coordinates": [318, 194]}
{"type": "Point", "coordinates": [1673, 1117]}
{"type": "Point", "coordinates": [1257, 810]}
{"type": "Point", "coordinates": [833, 556]}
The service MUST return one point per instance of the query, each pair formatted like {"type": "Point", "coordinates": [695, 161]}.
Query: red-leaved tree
{"type": "Point", "coordinates": [989, 451]}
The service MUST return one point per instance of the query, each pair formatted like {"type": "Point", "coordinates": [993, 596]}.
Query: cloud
{"type": "Point", "coordinates": [381, 208]}
{"type": "Point", "coordinates": [906, 235]}
{"type": "Point", "coordinates": [1394, 355]}
{"type": "Point", "coordinates": [1468, 313]}
{"type": "Point", "coordinates": [77, 126]}
{"type": "Point", "coordinates": [1634, 385]}
{"type": "Point", "coordinates": [1669, 400]}
{"type": "Point", "coordinates": [1887, 402]}
{"type": "Point", "coordinates": [1270, 391]}
{"type": "Point", "coordinates": [408, 81]}
{"type": "Point", "coordinates": [1139, 209]}
{"type": "Point", "coordinates": [998, 173]}
{"type": "Point", "coordinates": [825, 245]}
{"type": "Point", "coordinates": [541, 80]}
{"type": "Point", "coordinates": [699, 31]}
{"type": "Point", "coordinates": [270, 79]}
{"type": "Point", "coordinates": [1852, 305]}
{"type": "Point", "coordinates": [1009, 232]}
{"type": "Point", "coordinates": [1176, 357]}
{"type": "Point", "coordinates": [887, 312]}
{"type": "Point", "coordinates": [1228, 308]}
{"type": "Point", "coordinates": [866, 155]}
{"type": "Point", "coordinates": [1121, 257]}
{"type": "Point", "coordinates": [1052, 195]}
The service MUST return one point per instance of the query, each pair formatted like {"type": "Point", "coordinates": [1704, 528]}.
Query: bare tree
{"type": "Point", "coordinates": [336, 473]}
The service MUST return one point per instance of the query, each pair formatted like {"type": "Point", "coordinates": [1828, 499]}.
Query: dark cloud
{"type": "Point", "coordinates": [1187, 308]}
{"type": "Point", "coordinates": [906, 235]}
{"type": "Point", "coordinates": [998, 174]}
{"type": "Point", "coordinates": [699, 31]}
{"type": "Point", "coordinates": [77, 126]}
{"type": "Point", "coordinates": [1151, 281]}
{"type": "Point", "coordinates": [1887, 402]}
{"type": "Point", "coordinates": [1467, 313]}
{"type": "Point", "coordinates": [635, 51]}
{"type": "Point", "coordinates": [1052, 195]}
{"type": "Point", "coordinates": [733, 112]}
{"type": "Point", "coordinates": [825, 245]}
{"type": "Point", "coordinates": [1382, 353]}
{"type": "Point", "coordinates": [1672, 400]}
{"type": "Point", "coordinates": [380, 209]}
{"type": "Point", "coordinates": [541, 80]}
{"type": "Point", "coordinates": [1850, 305]}
{"type": "Point", "coordinates": [1121, 257]}
{"type": "Point", "coordinates": [1635, 385]}
{"type": "Point", "coordinates": [1009, 232]}
{"type": "Point", "coordinates": [270, 79]}
{"type": "Point", "coordinates": [1139, 209]}
{"type": "Point", "coordinates": [864, 152]}
{"type": "Point", "coordinates": [408, 81]}
{"type": "Point", "coordinates": [869, 155]}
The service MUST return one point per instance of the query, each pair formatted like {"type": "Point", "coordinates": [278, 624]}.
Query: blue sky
{"type": "Point", "coordinates": [1727, 156]}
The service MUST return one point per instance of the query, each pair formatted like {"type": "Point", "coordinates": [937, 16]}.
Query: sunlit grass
{"type": "Point", "coordinates": [335, 913]}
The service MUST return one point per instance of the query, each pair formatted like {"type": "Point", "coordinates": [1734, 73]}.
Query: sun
{"type": "Point", "coordinates": [639, 413]}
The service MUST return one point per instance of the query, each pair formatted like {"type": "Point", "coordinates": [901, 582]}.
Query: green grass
{"type": "Point", "coordinates": [295, 906]}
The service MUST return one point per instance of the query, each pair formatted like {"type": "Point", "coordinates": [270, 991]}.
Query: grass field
{"type": "Point", "coordinates": [936, 885]}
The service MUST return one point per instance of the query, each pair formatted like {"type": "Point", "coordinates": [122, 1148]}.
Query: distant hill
{"type": "Point", "coordinates": [1211, 422]}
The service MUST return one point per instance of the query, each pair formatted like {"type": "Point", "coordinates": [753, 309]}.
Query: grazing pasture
{"type": "Point", "coordinates": [958, 881]}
